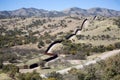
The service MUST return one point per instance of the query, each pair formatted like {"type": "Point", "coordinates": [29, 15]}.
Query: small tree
{"type": "Point", "coordinates": [55, 75]}
{"type": "Point", "coordinates": [117, 45]}
{"type": "Point", "coordinates": [29, 76]}
{"type": "Point", "coordinates": [40, 44]}
{"type": "Point", "coordinates": [117, 22]}
{"type": "Point", "coordinates": [1, 63]}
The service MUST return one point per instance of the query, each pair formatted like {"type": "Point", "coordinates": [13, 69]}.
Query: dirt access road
{"type": "Point", "coordinates": [102, 56]}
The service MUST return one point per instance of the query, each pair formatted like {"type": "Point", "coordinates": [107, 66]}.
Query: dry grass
{"type": "Point", "coordinates": [96, 28]}
{"type": "Point", "coordinates": [4, 76]}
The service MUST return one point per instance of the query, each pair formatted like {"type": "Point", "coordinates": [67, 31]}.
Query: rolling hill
{"type": "Point", "coordinates": [30, 12]}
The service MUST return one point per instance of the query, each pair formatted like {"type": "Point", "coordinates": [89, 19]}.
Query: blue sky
{"type": "Point", "coordinates": [58, 4]}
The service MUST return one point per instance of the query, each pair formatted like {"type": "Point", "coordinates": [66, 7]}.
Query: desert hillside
{"type": "Point", "coordinates": [30, 43]}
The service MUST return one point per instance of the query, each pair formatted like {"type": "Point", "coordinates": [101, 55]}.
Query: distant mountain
{"type": "Point", "coordinates": [92, 11]}
{"type": "Point", "coordinates": [29, 12]}
{"type": "Point", "coordinates": [75, 11]}
{"type": "Point", "coordinates": [103, 12]}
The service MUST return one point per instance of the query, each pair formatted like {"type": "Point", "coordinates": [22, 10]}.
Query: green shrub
{"type": "Point", "coordinates": [55, 75]}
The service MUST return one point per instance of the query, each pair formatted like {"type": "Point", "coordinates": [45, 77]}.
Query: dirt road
{"type": "Point", "coordinates": [102, 56]}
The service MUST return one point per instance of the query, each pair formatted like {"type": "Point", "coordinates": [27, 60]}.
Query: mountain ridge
{"type": "Point", "coordinates": [29, 12]}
